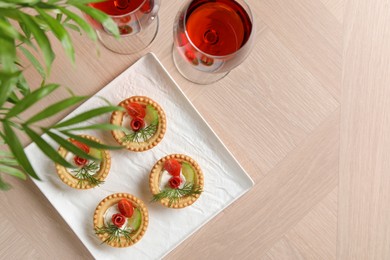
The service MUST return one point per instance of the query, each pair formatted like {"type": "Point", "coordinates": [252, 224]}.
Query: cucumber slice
{"type": "Point", "coordinates": [151, 115]}
{"type": "Point", "coordinates": [96, 153]}
{"type": "Point", "coordinates": [135, 221]}
{"type": "Point", "coordinates": [188, 172]}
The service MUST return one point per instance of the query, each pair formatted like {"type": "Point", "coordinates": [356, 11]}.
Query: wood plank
{"type": "Point", "coordinates": [11, 241]}
{"type": "Point", "coordinates": [32, 229]}
{"type": "Point", "coordinates": [364, 226]}
{"type": "Point", "coordinates": [312, 33]}
{"type": "Point", "coordinates": [336, 7]}
{"type": "Point", "coordinates": [274, 205]}
{"type": "Point", "coordinates": [283, 250]}
{"type": "Point", "coordinates": [314, 237]}
{"type": "Point", "coordinates": [280, 97]}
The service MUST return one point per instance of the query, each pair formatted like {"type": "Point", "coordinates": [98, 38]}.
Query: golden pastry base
{"type": "Point", "coordinates": [155, 175]}
{"type": "Point", "coordinates": [117, 119]}
{"type": "Point", "coordinates": [111, 200]}
{"type": "Point", "coordinates": [72, 181]}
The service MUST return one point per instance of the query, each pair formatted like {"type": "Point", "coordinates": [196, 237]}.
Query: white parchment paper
{"type": "Point", "coordinates": [187, 133]}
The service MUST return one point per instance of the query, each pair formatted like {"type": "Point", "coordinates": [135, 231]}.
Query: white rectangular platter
{"type": "Point", "coordinates": [187, 133]}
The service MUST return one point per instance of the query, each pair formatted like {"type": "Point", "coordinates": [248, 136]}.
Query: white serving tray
{"type": "Point", "coordinates": [187, 133]}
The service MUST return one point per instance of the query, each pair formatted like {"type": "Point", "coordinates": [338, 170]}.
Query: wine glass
{"type": "Point", "coordinates": [137, 22]}
{"type": "Point", "coordinates": [211, 37]}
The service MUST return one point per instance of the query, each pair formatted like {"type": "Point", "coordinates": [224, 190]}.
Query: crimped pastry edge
{"type": "Point", "coordinates": [117, 118]}
{"type": "Point", "coordinates": [154, 179]}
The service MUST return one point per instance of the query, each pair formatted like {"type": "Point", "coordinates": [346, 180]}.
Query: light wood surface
{"type": "Point", "coordinates": [306, 115]}
{"type": "Point", "coordinates": [364, 192]}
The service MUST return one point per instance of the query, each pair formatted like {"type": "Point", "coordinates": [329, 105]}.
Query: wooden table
{"type": "Point", "coordinates": [307, 115]}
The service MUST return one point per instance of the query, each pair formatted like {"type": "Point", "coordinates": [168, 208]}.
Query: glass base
{"type": "Point", "coordinates": [131, 43]}
{"type": "Point", "coordinates": [190, 73]}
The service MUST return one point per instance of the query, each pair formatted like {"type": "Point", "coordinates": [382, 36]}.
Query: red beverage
{"type": "Point", "coordinates": [211, 37]}
{"type": "Point", "coordinates": [121, 7]}
{"type": "Point", "coordinates": [218, 28]}
{"type": "Point", "coordinates": [136, 21]}
{"type": "Point", "coordinates": [129, 15]}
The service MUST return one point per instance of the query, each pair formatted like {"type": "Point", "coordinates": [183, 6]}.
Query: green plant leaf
{"type": "Point", "coordinates": [7, 84]}
{"type": "Point", "coordinates": [8, 30]}
{"type": "Point", "coordinates": [25, 29]}
{"type": "Point", "coordinates": [4, 75]}
{"type": "Point", "coordinates": [108, 102]}
{"type": "Point", "coordinates": [59, 17]}
{"type": "Point", "coordinates": [43, 83]}
{"type": "Point", "coordinates": [15, 125]}
{"type": "Point", "coordinates": [55, 108]}
{"type": "Point", "coordinates": [13, 98]}
{"type": "Point", "coordinates": [31, 99]}
{"type": "Point", "coordinates": [72, 27]}
{"type": "Point", "coordinates": [40, 37]}
{"type": "Point", "coordinates": [87, 115]}
{"type": "Point", "coordinates": [31, 2]}
{"type": "Point", "coordinates": [3, 185]}
{"type": "Point", "coordinates": [46, 148]}
{"type": "Point", "coordinates": [16, 148]}
{"type": "Point", "coordinates": [47, 5]}
{"type": "Point", "coordinates": [84, 2]}
{"type": "Point", "coordinates": [106, 127]}
{"type": "Point", "coordinates": [18, 63]}
{"type": "Point", "coordinates": [33, 61]}
{"type": "Point", "coordinates": [5, 153]}
{"type": "Point", "coordinates": [59, 31]}
{"type": "Point", "coordinates": [12, 171]}
{"type": "Point", "coordinates": [67, 19]}
{"type": "Point", "coordinates": [22, 85]}
{"type": "Point", "coordinates": [68, 145]}
{"type": "Point", "coordinates": [8, 161]}
{"type": "Point", "coordinates": [81, 22]}
{"type": "Point", "coordinates": [91, 143]}
{"type": "Point", "coordinates": [7, 54]}
{"type": "Point", "coordinates": [27, 38]}
{"type": "Point", "coordinates": [8, 72]}
{"type": "Point", "coordinates": [100, 16]}
{"type": "Point", "coordinates": [8, 5]}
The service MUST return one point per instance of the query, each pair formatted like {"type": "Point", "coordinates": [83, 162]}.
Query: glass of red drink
{"type": "Point", "coordinates": [137, 22]}
{"type": "Point", "coordinates": [211, 37]}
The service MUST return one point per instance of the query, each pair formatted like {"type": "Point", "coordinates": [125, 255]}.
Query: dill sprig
{"type": "Point", "coordinates": [141, 135]}
{"type": "Point", "coordinates": [114, 233]}
{"type": "Point", "coordinates": [82, 174]}
{"type": "Point", "coordinates": [189, 189]}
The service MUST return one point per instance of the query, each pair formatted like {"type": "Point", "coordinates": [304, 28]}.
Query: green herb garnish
{"type": "Point", "coordinates": [114, 233]}
{"type": "Point", "coordinates": [141, 135]}
{"type": "Point", "coordinates": [82, 174]}
{"type": "Point", "coordinates": [189, 189]}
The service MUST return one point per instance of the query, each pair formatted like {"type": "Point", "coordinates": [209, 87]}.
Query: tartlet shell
{"type": "Point", "coordinates": [107, 202]}
{"type": "Point", "coordinates": [117, 119]}
{"type": "Point", "coordinates": [154, 180]}
{"type": "Point", "coordinates": [73, 182]}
